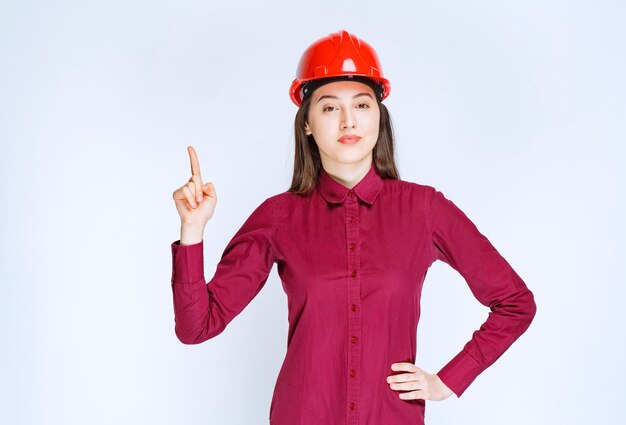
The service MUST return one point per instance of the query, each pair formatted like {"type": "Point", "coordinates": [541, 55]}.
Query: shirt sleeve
{"type": "Point", "coordinates": [202, 310]}
{"type": "Point", "coordinates": [494, 283]}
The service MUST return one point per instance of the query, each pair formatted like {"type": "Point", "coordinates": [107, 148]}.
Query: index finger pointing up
{"type": "Point", "coordinates": [193, 158]}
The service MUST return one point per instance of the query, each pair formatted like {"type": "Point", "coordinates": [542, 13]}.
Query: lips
{"type": "Point", "coordinates": [349, 140]}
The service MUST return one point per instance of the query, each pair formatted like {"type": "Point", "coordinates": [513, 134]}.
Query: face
{"type": "Point", "coordinates": [339, 109]}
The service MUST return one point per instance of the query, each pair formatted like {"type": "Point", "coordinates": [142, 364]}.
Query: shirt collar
{"type": "Point", "coordinates": [367, 189]}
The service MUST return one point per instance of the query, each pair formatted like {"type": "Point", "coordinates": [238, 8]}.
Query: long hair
{"type": "Point", "coordinates": [307, 162]}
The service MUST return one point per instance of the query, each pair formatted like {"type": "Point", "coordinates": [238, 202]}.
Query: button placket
{"type": "Point", "coordinates": [353, 338]}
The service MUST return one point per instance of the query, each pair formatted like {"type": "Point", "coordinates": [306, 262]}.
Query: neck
{"type": "Point", "coordinates": [348, 174]}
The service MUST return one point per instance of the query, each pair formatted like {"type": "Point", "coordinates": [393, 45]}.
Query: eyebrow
{"type": "Point", "coordinates": [335, 97]}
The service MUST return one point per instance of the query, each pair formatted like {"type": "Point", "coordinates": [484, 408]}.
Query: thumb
{"type": "Point", "coordinates": [208, 188]}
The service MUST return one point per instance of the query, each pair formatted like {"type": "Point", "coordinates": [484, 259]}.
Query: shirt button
{"type": "Point", "coordinates": [352, 406]}
{"type": "Point", "coordinates": [353, 307]}
{"type": "Point", "coordinates": [351, 194]}
{"type": "Point", "coordinates": [351, 220]}
{"type": "Point", "coordinates": [353, 274]}
{"type": "Point", "coordinates": [355, 339]}
{"type": "Point", "coordinates": [352, 246]}
{"type": "Point", "coordinates": [352, 373]}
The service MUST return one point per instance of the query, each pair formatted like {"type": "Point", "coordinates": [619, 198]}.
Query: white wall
{"type": "Point", "coordinates": [515, 110]}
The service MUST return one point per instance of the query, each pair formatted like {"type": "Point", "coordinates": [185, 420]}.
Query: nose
{"type": "Point", "coordinates": [348, 120]}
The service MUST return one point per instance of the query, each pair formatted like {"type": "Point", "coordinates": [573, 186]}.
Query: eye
{"type": "Point", "coordinates": [327, 108]}
{"type": "Point", "coordinates": [363, 106]}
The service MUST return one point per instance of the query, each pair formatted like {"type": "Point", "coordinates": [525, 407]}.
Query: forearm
{"type": "Point", "coordinates": [507, 321]}
{"type": "Point", "coordinates": [196, 317]}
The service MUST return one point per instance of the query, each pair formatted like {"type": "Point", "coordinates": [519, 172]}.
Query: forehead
{"type": "Point", "coordinates": [343, 89]}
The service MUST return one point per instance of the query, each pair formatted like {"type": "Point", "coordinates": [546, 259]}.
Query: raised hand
{"type": "Point", "coordinates": [194, 200]}
{"type": "Point", "coordinates": [421, 385]}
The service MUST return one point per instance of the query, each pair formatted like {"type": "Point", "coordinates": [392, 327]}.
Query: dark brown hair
{"type": "Point", "coordinates": [307, 162]}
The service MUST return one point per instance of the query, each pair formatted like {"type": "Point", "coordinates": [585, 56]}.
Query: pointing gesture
{"type": "Point", "coordinates": [195, 201]}
{"type": "Point", "coordinates": [193, 158]}
{"type": "Point", "coordinates": [195, 174]}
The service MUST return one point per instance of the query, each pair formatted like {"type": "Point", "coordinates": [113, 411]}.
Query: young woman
{"type": "Point", "coordinates": [352, 243]}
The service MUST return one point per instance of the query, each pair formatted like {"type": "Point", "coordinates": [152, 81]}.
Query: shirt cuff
{"type": "Point", "coordinates": [459, 373]}
{"type": "Point", "coordinates": [187, 262]}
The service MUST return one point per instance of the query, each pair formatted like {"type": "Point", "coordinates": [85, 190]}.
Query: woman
{"type": "Point", "coordinates": [352, 243]}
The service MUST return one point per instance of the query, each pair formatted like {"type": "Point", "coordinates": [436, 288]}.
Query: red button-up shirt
{"type": "Point", "coordinates": [352, 263]}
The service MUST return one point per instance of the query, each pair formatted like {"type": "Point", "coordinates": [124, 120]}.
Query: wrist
{"type": "Point", "coordinates": [191, 234]}
{"type": "Point", "coordinates": [445, 389]}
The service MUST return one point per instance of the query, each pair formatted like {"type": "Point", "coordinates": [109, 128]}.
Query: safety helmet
{"type": "Point", "coordinates": [339, 54]}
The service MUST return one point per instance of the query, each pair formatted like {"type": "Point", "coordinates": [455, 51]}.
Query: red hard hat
{"type": "Point", "coordinates": [338, 54]}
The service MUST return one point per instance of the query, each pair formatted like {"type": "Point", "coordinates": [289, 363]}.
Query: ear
{"type": "Point", "coordinates": [307, 129]}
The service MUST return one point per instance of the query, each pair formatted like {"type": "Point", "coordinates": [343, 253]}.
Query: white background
{"type": "Point", "coordinates": [514, 110]}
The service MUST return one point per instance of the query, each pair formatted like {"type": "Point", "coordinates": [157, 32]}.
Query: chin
{"type": "Point", "coordinates": [350, 160]}
{"type": "Point", "coordinates": [347, 157]}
